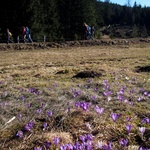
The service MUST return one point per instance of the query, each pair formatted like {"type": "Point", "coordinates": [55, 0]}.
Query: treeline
{"type": "Point", "coordinates": [63, 19]}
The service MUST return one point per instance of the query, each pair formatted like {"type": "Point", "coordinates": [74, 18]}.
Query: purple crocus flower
{"type": "Point", "coordinates": [22, 97]}
{"type": "Point", "coordinates": [89, 81]}
{"type": "Point", "coordinates": [44, 126]}
{"type": "Point", "coordinates": [128, 118]}
{"type": "Point", "coordinates": [1, 82]}
{"type": "Point", "coordinates": [5, 93]}
{"type": "Point", "coordinates": [49, 113]}
{"type": "Point", "coordinates": [123, 142]}
{"type": "Point", "coordinates": [114, 116]}
{"type": "Point", "coordinates": [66, 147]}
{"type": "Point", "coordinates": [77, 146]}
{"type": "Point", "coordinates": [82, 138]}
{"type": "Point", "coordinates": [4, 104]}
{"type": "Point", "coordinates": [109, 98]}
{"type": "Point", "coordinates": [146, 120]}
{"type": "Point", "coordinates": [38, 148]}
{"type": "Point", "coordinates": [77, 104]}
{"type": "Point", "coordinates": [99, 110]}
{"type": "Point", "coordinates": [142, 130]}
{"type": "Point", "coordinates": [47, 144]}
{"type": "Point", "coordinates": [56, 140]}
{"type": "Point", "coordinates": [19, 134]}
{"type": "Point", "coordinates": [29, 126]}
{"type": "Point", "coordinates": [139, 99]}
{"type": "Point", "coordinates": [85, 106]}
{"type": "Point", "coordinates": [108, 146]}
{"type": "Point", "coordinates": [120, 97]}
{"type": "Point", "coordinates": [28, 105]}
{"type": "Point", "coordinates": [19, 116]}
{"type": "Point", "coordinates": [128, 127]}
{"type": "Point", "coordinates": [144, 148]}
{"type": "Point", "coordinates": [145, 93]}
{"type": "Point", "coordinates": [99, 145]}
{"type": "Point", "coordinates": [93, 97]}
{"type": "Point", "coordinates": [39, 111]}
{"type": "Point", "coordinates": [89, 137]}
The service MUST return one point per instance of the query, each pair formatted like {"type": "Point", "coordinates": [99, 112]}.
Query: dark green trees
{"type": "Point", "coordinates": [72, 16]}
{"type": "Point", "coordinates": [63, 19]}
{"type": "Point", "coordinates": [44, 20]}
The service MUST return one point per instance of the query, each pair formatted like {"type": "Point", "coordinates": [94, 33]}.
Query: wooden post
{"type": "Point", "coordinates": [44, 38]}
{"type": "Point", "coordinates": [17, 39]}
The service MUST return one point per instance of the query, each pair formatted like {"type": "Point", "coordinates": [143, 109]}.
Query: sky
{"type": "Point", "coordinates": [124, 2]}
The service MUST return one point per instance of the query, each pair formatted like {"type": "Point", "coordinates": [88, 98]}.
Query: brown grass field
{"type": "Point", "coordinates": [41, 96]}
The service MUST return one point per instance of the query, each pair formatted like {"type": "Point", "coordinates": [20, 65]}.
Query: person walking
{"type": "Point", "coordinates": [92, 32]}
{"type": "Point", "coordinates": [85, 30]}
{"type": "Point", "coordinates": [24, 33]}
{"type": "Point", "coordinates": [9, 36]}
{"type": "Point", "coordinates": [28, 35]}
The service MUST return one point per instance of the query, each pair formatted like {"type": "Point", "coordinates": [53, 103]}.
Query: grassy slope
{"type": "Point", "coordinates": [50, 73]}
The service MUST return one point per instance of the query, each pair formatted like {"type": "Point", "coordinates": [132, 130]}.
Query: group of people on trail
{"type": "Point", "coordinates": [88, 32]}
{"type": "Point", "coordinates": [26, 36]}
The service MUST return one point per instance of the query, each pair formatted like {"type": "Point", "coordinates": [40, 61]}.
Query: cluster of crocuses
{"type": "Point", "coordinates": [85, 143]}
{"type": "Point", "coordinates": [86, 140]}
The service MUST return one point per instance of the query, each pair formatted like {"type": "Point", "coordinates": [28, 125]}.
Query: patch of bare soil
{"type": "Point", "coordinates": [143, 69]}
{"type": "Point", "coordinates": [79, 43]}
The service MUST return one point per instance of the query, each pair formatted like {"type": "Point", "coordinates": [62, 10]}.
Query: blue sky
{"type": "Point", "coordinates": [124, 2]}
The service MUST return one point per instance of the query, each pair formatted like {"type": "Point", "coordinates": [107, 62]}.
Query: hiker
{"type": "Point", "coordinates": [24, 33]}
{"type": "Point", "coordinates": [85, 30]}
{"type": "Point", "coordinates": [28, 35]}
{"type": "Point", "coordinates": [9, 37]}
{"type": "Point", "coordinates": [88, 32]}
{"type": "Point", "coordinates": [92, 32]}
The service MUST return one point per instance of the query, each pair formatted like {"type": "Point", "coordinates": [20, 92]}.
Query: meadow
{"type": "Point", "coordinates": [46, 105]}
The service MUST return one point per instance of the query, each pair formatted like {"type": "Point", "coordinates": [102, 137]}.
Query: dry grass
{"type": "Point", "coordinates": [34, 82]}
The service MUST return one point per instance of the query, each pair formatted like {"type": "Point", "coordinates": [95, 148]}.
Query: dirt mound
{"type": "Point", "coordinates": [143, 69]}
{"type": "Point", "coordinates": [79, 43]}
{"type": "Point", "coordinates": [88, 74]}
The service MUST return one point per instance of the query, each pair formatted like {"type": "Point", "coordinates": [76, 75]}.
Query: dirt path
{"type": "Point", "coordinates": [79, 43]}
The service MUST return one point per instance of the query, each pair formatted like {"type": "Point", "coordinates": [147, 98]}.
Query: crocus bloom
{"type": "Point", "coordinates": [146, 120]}
{"type": "Point", "coordinates": [56, 140]}
{"type": "Point", "coordinates": [128, 127]}
{"type": "Point", "coordinates": [108, 146]}
{"type": "Point", "coordinates": [38, 148]}
{"type": "Point", "coordinates": [128, 118]}
{"type": "Point", "coordinates": [142, 129]}
{"type": "Point", "coordinates": [114, 116]}
{"type": "Point", "coordinates": [19, 134]}
{"type": "Point", "coordinates": [20, 116]}
{"type": "Point", "coordinates": [82, 138]}
{"type": "Point", "coordinates": [49, 113]}
{"type": "Point", "coordinates": [109, 98]}
{"type": "Point", "coordinates": [29, 126]}
{"type": "Point", "coordinates": [144, 148]}
{"type": "Point", "coordinates": [47, 144]}
{"type": "Point", "coordinates": [99, 145]}
{"type": "Point", "coordinates": [123, 142]}
{"type": "Point", "coordinates": [39, 111]}
{"type": "Point", "coordinates": [99, 110]}
{"type": "Point", "coordinates": [44, 125]}
{"type": "Point", "coordinates": [66, 147]}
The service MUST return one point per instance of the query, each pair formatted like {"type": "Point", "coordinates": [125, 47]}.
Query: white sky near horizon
{"type": "Point", "coordinates": [124, 2]}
